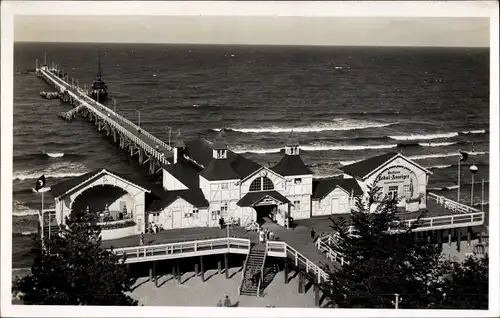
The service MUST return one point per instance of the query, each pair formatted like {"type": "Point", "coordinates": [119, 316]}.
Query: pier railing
{"type": "Point", "coordinates": [92, 105]}
{"type": "Point", "coordinates": [282, 249]}
{"type": "Point", "coordinates": [325, 244]}
{"type": "Point", "coordinates": [450, 204]}
{"type": "Point", "coordinates": [183, 249]}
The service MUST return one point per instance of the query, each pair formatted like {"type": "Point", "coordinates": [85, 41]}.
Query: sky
{"type": "Point", "coordinates": [252, 30]}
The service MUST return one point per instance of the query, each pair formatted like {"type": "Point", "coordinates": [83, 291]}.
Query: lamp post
{"type": "Point", "coordinates": [473, 169]}
{"type": "Point", "coordinates": [169, 133]}
{"type": "Point", "coordinates": [139, 114]}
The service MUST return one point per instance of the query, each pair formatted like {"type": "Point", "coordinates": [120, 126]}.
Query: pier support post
{"type": "Point", "coordinates": [179, 272]}
{"type": "Point", "coordinates": [302, 283]}
{"type": "Point", "coordinates": [196, 270]}
{"type": "Point", "coordinates": [440, 237]}
{"type": "Point", "coordinates": [316, 296]}
{"type": "Point", "coordinates": [286, 272]}
{"type": "Point", "coordinates": [226, 265]}
{"type": "Point", "coordinates": [219, 267]}
{"type": "Point", "coordinates": [174, 272]}
{"type": "Point", "coordinates": [151, 274]}
{"type": "Point", "coordinates": [429, 233]}
{"type": "Point", "coordinates": [459, 238]}
{"type": "Point", "coordinates": [468, 239]}
{"type": "Point", "coordinates": [449, 238]}
{"type": "Point", "coordinates": [155, 276]}
{"type": "Point", "coordinates": [481, 237]}
{"type": "Point", "coordinates": [202, 269]}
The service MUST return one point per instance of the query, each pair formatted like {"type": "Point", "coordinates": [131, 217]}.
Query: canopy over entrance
{"type": "Point", "coordinates": [262, 198]}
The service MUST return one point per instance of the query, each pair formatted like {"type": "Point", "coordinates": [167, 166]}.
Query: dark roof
{"type": "Point", "coordinates": [200, 150]}
{"type": "Point", "coordinates": [251, 198]}
{"type": "Point", "coordinates": [219, 169]}
{"type": "Point", "coordinates": [66, 185]}
{"type": "Point", "coordinates": [323, 187]}
{"type": "Point", "coordinates": [364, 167]}
{"type": "Point", "coordinates": [185, 172]}
{"type": "Point", "coordinates": [193, 196]}
{"type": "Point", "coordinates": [291, 165]}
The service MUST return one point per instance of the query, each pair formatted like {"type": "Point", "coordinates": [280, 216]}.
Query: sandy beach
{"type": "Point", "coordinates": [194, 292]}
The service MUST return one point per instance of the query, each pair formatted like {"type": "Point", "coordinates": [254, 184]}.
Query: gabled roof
{"type": "Point", "coordinates": [323, 187]}
{"type": "Point", "coordinates": [63, 187]}
{"type": "Point", "coordinates": [185, 172]}
{"type": "Point", "coordinates": [200, 150]}
{"type": "Point", "coordinates": [192, 196]}
{"type": "Point", "coordinates": [252, 198]}
{"type": "Point", "coordinates": [291, 165]}
{"type": "Point", "coordinates": [365, 168]}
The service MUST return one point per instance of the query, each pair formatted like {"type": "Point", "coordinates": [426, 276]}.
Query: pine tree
{"type": "Point", "coordinates": [467, 285]}
{"type": "Point", "coordinates": [381, 263]}
{"type": "Point", "coordinates": [74, 270]}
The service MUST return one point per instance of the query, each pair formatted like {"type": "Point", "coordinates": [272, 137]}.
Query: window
{"type": "Point", "coordinates": [155, 217]}
{"type": "Point", "coordinates": [406, 191]}
{"type": "Point", "coordinates": [267, 184]}
{"type": "Point", "coordinates": [255, 186]}
{"type": "Point", "coordinates": [296, 205]}
{"type": "Point", "coordinates": [393, 191]}
{"type": "Point", "coordinates": [261, 184]}
{"type": "Point", "coordinates": [215, 215]}
{"type": "Point", "coordinates": [298, 180]}
{"type": "Point", "coordinates": [196, 213]}
{"type": "Point", "coordinates": [223, 209]}
{"type": "Point", "coordinates": [224, 186]}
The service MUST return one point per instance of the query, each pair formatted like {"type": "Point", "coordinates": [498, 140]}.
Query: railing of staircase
{"type": "Point", "coordinates": [243, 274]}
{"type": "Point", "coordinates": [324, 244]}
{"type": "Point", "coordinates": [261, 274]}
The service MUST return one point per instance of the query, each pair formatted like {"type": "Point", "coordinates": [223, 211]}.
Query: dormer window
{"type": "Point", "coordinates": [292, 150]}
{"type": "Point", "coordinates": [220, 153]}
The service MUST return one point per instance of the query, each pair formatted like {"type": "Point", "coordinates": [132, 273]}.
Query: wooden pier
{"type": "Point", "coordinates": [132, 138]}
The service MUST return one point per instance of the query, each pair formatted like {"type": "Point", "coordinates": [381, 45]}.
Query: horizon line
{"type": "Point", "coordinates": [252, 44]}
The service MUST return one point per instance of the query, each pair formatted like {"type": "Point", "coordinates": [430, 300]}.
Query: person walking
{"type": "Point", "coordinates": [219, 303]}
{"type": "Point", "coordinates": [227, 302]}
{"type": "Point", "coordinates": [313, 234]}
{"type": "Point", "coordinates": [141, 239]}
{"type": "Point", "coordinates": [221, 223]}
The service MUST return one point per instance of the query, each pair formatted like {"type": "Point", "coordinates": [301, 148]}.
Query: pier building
{"type": "Point", "coordinates": [204, 181]}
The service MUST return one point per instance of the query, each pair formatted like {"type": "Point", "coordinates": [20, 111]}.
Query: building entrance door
{"type": "Point", "coordinates": [335, 205]}
{"type": "Point", "coordinates": [176, 219]}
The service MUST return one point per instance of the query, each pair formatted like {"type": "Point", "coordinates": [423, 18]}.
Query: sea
{"type": "Point", "coordinates": [343, 104]}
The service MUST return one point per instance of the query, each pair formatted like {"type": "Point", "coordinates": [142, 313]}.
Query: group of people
{"type": "Point", "coordinates": [227, 302]}
{"type": "Point", "coordinates": [153, 228]}
{"type": "Point", "coordinates": [266, 235]}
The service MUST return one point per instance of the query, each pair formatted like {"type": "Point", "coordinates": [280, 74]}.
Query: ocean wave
{"type": "Point", "coordinates": [479, 131]}
{"type": "Point", "coordinates": [445, 155]}
{"type": "Point", "coordinates": [438, 136]}
{"type": "Point", "coordinates": [438, 144]}
{"type": "Point", "coordinates": [315, 148]}
{"type": "Point", "coordinates": [425, 137]}
{"type": "Point", "coordinates": [36, 175]}
{"type": "Point", "coordinates": [56, 170]}
{"type": "Point", "coordinates": [440, 167]}
{"type": "Point", "coordinates": [55, 154]}
{"type": "Point", "coordinates": [339, 125]}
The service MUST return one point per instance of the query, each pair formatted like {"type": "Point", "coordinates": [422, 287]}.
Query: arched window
{"type": "Point", "coordinates": [261, 184]}
{"type": "Point", "coordinates": [267, 184]}
{"type": "Point", "coordinates": [256, 185]}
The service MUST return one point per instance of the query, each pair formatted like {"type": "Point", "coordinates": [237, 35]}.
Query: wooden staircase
{"type": "Point", "coordinates": [251, 277]}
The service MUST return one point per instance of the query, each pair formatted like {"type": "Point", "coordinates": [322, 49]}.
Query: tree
{"type": "Point", "coordinates": [74, 270]}
{"type": "Point", "coordinates": [381, 263]}
{"type": "Point", "coordinates": [467, 285]}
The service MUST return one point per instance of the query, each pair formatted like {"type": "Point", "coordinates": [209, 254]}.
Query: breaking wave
{"type": "Point", "coordinates": [55, 154]}
{"type": "Point", "coordinates": [56, 171]}
{"type": "Point", "coordinates": [440, 167]}
{"type": "Point", "coordinates": [36, 175]}
{"type": "Point", "coordinates": [339, 125]}
{"type": "Point", "coordinates": [445, 155]}
{"type": "Point", "coordinates": [438, 136]}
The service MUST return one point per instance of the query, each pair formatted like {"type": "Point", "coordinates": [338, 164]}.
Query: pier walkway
{"type": "Point", "coordinates": [138, 140]}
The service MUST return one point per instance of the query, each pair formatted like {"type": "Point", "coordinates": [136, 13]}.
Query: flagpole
{"type": "Point", "coordinates": [482, 195]}
{"type": "Point", "coordinates": [41, 235]}
{"type": "Point", "coordinates": [458, 191]}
